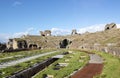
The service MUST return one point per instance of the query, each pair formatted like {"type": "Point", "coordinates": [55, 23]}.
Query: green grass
{"type": "Point", "coordinates": [111, 66]}
{"type": "Point", "coordinates": [30, 52]}
{"type": "Point", "coordinates": [74, 64]}
{"type": "Point", "coordinates": [11, 70]}
{"type": "Point", "coordinates": [22, 53]}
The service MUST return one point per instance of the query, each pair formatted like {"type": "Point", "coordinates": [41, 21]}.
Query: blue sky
{"type": "Point", "coordinates": [19, 17]}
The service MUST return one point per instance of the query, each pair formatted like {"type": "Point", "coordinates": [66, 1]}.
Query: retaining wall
{"type": "Point", "coordinates": [112, 50]}
{"type": "Point", "coordinates": [28, 73]}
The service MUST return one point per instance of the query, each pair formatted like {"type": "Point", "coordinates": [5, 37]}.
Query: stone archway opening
{"type": "Point", "coordinates": [64, 43]}
{"type": "Point", "coordinates": [22, 44]}
{"type": "Point", "coordinates": [107, 28]}
{"type": "Point", "coordinates": [33, 46]}
{"type": "Point", "coordinates": [25, 44]}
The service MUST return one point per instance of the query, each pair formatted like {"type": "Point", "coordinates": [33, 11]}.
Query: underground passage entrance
{"type": "Point", "coordinates": [22, 44]}
{"type": "Point", "coordinates": [32, 46]}
{"type": "Point", "coordinates": [64, 43]}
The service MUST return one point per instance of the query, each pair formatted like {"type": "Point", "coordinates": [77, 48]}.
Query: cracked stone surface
{"type": "Point", "coordinates": [94, 58]}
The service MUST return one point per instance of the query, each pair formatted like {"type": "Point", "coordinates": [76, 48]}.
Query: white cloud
{"type": "Point", "coordinates": [17, 3]}
{"type": "Point", "coordinates": [5, 37]}
{"type": "Point", "coordinates": [118, 25]}
{"type": "Point", "coordinates": [19, 34]}
{"type": "Point", "coordinates": [58, 31]}
{"type": "Point", "coordinates": [55, 31]}
{"type": "Point", "coordinates": [93, 28]}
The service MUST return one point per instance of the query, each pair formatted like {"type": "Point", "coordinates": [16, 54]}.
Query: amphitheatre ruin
{"type": "Point", "coordinates": [102, 40]}
{"type": "Point", "coordinates": [87, 55]}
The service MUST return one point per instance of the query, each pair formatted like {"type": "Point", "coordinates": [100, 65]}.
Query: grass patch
{"type": "Point", "coordinates": [111, 66]}
{"type": "Point", "coordinates": [73, 64]}
{"type": "Point", "coordinates": [19, 67]}
{"type": "Point", "coordinates": [6, 57]}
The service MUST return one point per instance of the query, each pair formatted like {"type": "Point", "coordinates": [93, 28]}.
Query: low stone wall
{"type": "Point", "coordinates": [28, 73]}
{"type": "Point", "coordinates": [112, 50]}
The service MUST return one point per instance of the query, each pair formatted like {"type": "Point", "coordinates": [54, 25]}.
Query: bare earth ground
{"type": "Point", "coordinates": [93, 68]}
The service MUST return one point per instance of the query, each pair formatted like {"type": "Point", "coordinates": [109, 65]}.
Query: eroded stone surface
{"type": "Point", "coordinates": [94, 58]}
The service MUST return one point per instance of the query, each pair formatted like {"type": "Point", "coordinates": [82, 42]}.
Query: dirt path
{"type": "Point", "coordinates": [93, 68]}
{"type": "Point", "coordinates": [12, 63]}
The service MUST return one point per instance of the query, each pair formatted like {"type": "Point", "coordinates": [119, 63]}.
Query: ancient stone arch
{"type": "Point", "coordinates": [22, 44]}
{"type": "Point", "coordinates": [64, 43]}
{"type": "Point", "coordinates": [33, 46]}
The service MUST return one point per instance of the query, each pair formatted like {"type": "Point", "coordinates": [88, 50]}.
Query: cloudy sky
{"type": "Point", "coordinates": [22, 17]}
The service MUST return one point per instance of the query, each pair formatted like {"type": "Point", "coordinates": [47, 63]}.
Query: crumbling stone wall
{"type": "Point", "coordinates": [110, 26]}
{"type": "Point", "coordinates": [28, 73]}
{"type": "Point", "coordinates": [45, 33]}
{"type": "Point", "coordinates": [2, 47]}
{"type": "Point", "coordinates": [111, 50]}
{"type": "Point", "coordinates": [16, 43]}
{"type": "Point", "coordinates": [9, 44]}
{"type": "Point", "coordinates": [74, 31]}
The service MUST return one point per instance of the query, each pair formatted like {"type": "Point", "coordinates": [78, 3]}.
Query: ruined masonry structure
{"type": "Point", "coordinates": [110, 26]}
{"type": "Point", "coordinates": [17, 43]}
{"type": "Point", "coordinates": [108, 40]}
{"type": "Point", "coordinates": [74, 31]}
{"type": "Point", "coordinates": [45, 33]}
